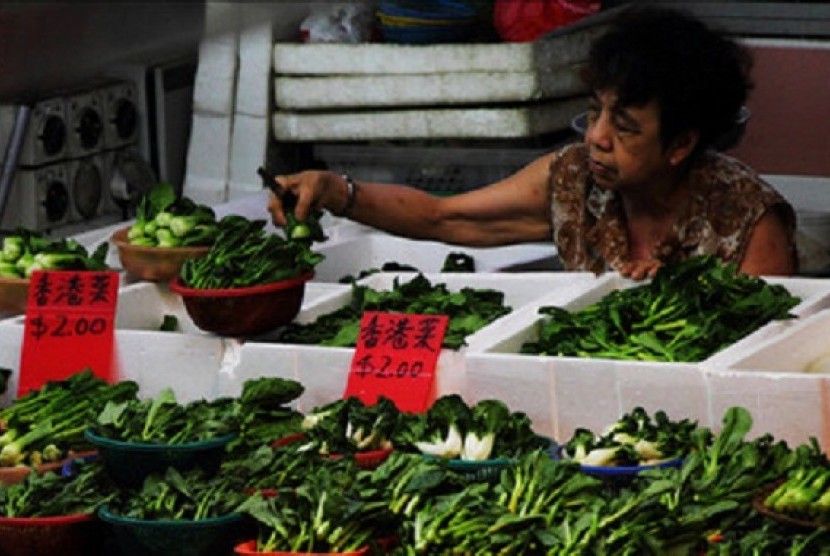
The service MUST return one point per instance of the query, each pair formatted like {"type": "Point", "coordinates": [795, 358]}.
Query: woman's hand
{"type": "Point", "coordinates": [639, 270]}
{"type": "Point", "coordinates": [313, 189]}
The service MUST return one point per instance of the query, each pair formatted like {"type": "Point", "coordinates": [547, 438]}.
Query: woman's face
{"type": "Point", "coordinates": [624, 143]}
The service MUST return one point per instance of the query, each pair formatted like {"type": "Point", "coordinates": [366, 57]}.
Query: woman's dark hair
{"type": "Point", "coordinates": [698, 76]}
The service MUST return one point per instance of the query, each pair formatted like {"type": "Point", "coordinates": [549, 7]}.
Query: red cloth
{"type": "Point", "coordinates": [527, 20]}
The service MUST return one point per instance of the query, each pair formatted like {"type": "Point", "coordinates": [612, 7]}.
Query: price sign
{"type": "Point", "coordinates": [396, 357]}
{"type": "Point", "coordinates": [69, 325]}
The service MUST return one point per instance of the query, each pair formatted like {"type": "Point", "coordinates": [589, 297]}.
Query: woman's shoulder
{"type": "Point", "coordinates": [723, 174]}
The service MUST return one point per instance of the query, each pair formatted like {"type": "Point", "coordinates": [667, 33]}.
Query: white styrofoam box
{"type": "Point", "coordinates": [815, 296]}
{"type": "Point", "coordinates": [45, 138]}
{"type": "Point", "coordinates": [792, 407]}
{"type": "Point", "coordinates": [798, 349]}
{"type": "Point", "coordinates": [215, 83]}
{"type": "Point", "coordinates": [208, 159]}
{"type": "Point", "coordinates": [11, 341]}
{"type": "Point", "coordinates": [254, 78]}
{"type": "Point", "coordinates": [475, 122]}
{"type": "Point", "coordinates": [566, 46]}
{"type": "Point", "coordinates": [346, 91]}
{"type": "Point", "coordinates": [324, 370]}
{"type": "Point", "coordinates": [523, 384]}
{"type": "Point", "coordinates": [813, 292]}
{"type": "Point", "coordinates": [618, 386]}
{"type": "Point", "coordinates": [249, 150]}
{"type": "Point", "coordinates": [187, 363]}
{"type": "Point", "coordinates": [350, 256]}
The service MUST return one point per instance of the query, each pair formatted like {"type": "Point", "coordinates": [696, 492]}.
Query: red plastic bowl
{"type": "Point", "coordinates": [68, 535]}
{"type": "Point", "coordinates": [245, 311]}
{"type": "Point", "coordinates": [155, 264]}
{"type": "Point", "coordinates": [248, 548]}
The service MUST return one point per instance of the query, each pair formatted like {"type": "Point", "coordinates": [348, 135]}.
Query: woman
{"type": "Point", "coordinates": [644, 188]}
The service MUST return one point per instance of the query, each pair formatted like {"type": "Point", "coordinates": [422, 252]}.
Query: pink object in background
{"type": "Point", "coordinates": [528, 20]}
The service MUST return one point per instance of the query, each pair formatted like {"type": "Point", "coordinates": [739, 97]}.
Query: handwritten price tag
{"type": "Point", "coordinates": [69, 326]}
{"type": "Point", "coordinates": [396, 357]}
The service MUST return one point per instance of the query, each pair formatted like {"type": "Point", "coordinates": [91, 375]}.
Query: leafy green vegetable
{"type": "Point", "coordinates": [469, 310]}
{"type": "Point", "coordinates": [243, 254]}
{"type": "Point", "coordinates": [50, 494]}
{"type": "Point", "coordinates": [43, 424]}
{"type": "Point", "coordinates": [163, 420]}
{"type": "Point", "coordinates": [689, 311]}
{"type": "Point", "coordinates": [25, 252]}
{"type": "Point", "coordinates": [327, 513]}
{"type": "Point", "coordinates": [163, 220]}
{"type": "Point", "coordinates": [635, 439]}
{"type": "Point", "coordinates": [452, 429]}
{"type": "Point", "coordinates": [348, 426]}
{"type": "Point", "coordinates": [181, 495]}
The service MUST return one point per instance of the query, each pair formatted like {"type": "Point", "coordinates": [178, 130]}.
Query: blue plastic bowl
{"type": "Point", "coordinates": [424, 34]}
{"type": "Point", "coordinates": [129, 463]}
{"type": "Point", "coordinates": [619, 470]}
{"type": "Point", "coordinates": [428, 9]}
{"type": "Point", "coordinates": [204, 537]}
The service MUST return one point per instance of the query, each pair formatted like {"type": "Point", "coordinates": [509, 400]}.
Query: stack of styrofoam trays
{"type": "Point", "coordinates": [783, 380]}
{"type": "Point", "coordinates": [563, 393]}
{"type": "Point", "coordinates": [353, 255]}
{"type": "Point", "coordinates": [324, 370]}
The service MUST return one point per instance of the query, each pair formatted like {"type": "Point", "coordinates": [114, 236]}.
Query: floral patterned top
{"type": "Point", "coordinates": [728, 198]}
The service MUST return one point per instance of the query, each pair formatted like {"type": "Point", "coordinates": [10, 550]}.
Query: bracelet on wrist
{"type": "Point", "coordinates": [351, 195]}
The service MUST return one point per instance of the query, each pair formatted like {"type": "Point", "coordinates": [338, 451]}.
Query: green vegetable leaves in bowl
{"type": "Point", "coordinates": [249, 283]}
{"type": "Point", "coordinates": [138, 438]}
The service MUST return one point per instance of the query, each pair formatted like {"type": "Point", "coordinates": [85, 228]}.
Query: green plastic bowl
{"type": "Point", "coordinates": [205, 537]}
{"type": "Point", "coordinates": [129, 463]}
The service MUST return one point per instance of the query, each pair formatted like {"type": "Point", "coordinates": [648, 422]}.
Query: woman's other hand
{"type": "Point", "coordinates": [640, 270]}
{"type": "Point", "coordinates": [313, 189]}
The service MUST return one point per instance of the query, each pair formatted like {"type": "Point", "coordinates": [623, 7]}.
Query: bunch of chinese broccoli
{"type": "Point", "coordinates": [26, 251]}
{"type": "Point", "coordinates": [468, 310]}
{"type": "Point", "coordinates": [244, 254]}
{"type": "Point", "coordinates": [44, 424]}
{"type": "Point", "coordinates": [163, 220]}
{"type": "Point", "coordinates": [688, 312]}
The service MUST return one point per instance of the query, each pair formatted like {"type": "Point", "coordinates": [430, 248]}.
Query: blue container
{"type": "Point", "coordinates": [129, 463]}
{"type": "Point", "coordinates": [205, 537]}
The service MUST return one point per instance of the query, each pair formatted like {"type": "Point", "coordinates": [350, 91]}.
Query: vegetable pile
{"type": "Point", "coordinates": [51, 494]}
{"type": "Point", "coordinates": [635, 439]}
{"type": "Point", "coordinates": [245, 255]}
{"type": "Point", "coordinates": [348, 426]}
{"type": "Point", "coordinates": [451, 428]}
{"type": "Point", "coordinates": [689, 311]}
{"type": "Point", "coordinates": [44, 424]}
{"type": "Point", "coordinates": [804, 494]}
{"type": "Point", "coordinates": [456, 261]}
{"type": "Point", "coordinates": [163, 420]}
{"type": "Point", "coordinates": [163, 220]}
{"type": "Point", "coordinates": [468, 310]}
{"type": "Point", "coordinates": [537, 505]}
{"type": "Point", "coordinates": [180, 495]}
{"type": "Point", "coordinates": [26, 251]}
